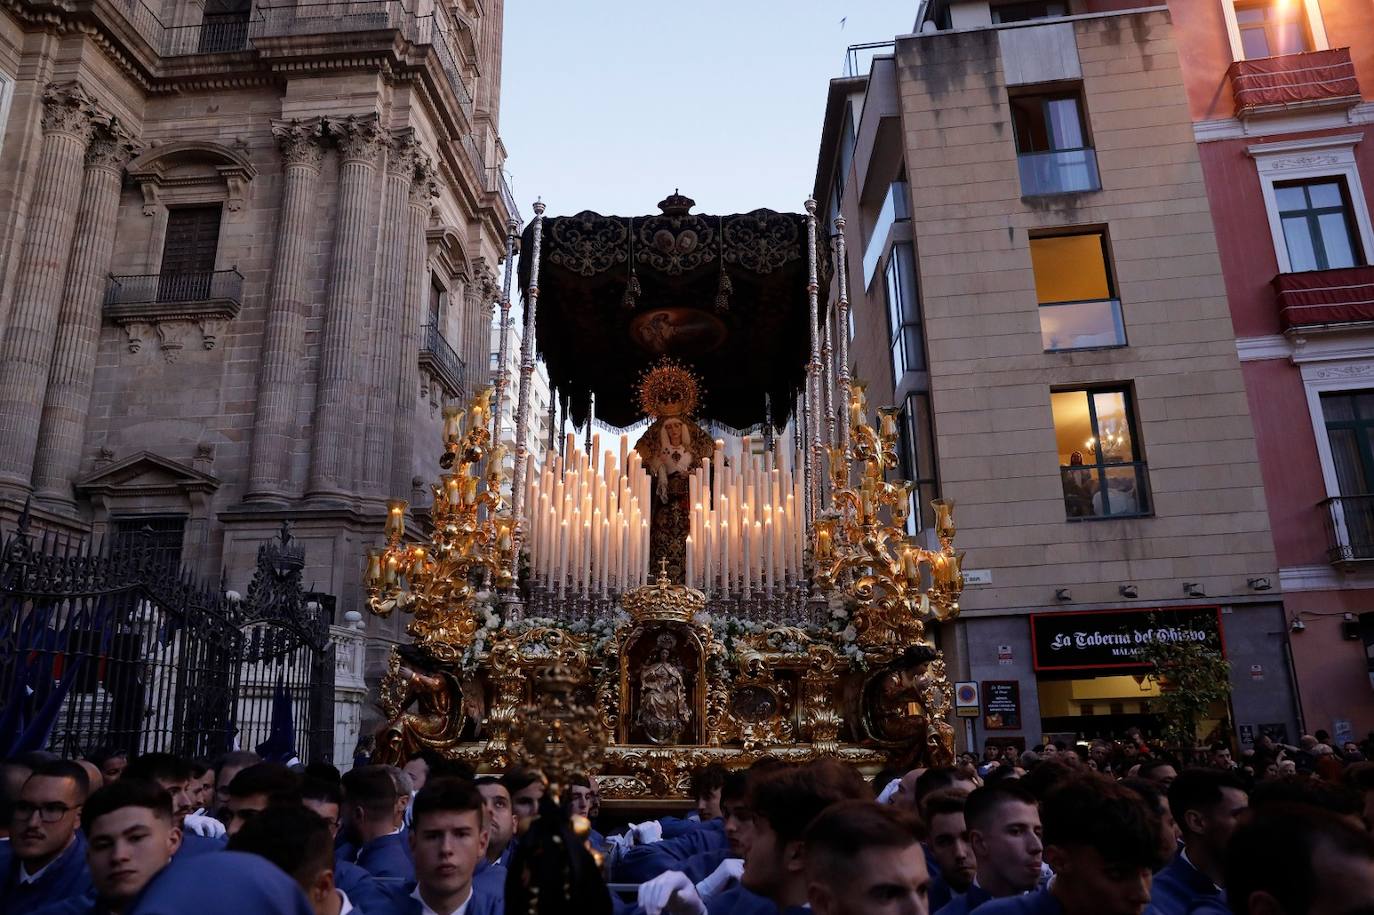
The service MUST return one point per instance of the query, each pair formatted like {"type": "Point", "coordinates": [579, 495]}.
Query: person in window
{"type": "Point", "coordinates": [1078, 487]}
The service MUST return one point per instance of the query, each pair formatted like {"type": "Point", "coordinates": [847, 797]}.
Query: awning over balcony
{"type": "Point", "coordinates": [1315, 79]}
{"type": "Point", "coordinates": [1324, 297]}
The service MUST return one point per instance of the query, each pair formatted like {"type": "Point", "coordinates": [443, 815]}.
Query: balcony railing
{"type": "Point", "coordinates": [161, 289]}
{"type": "Point", "coordinates": [216, 35]}
{"type": "Point", "coordinates": [1325, 298]}
{"type": "Point", "coordinates": [440, 40]}
{"type": "Point", "coordinates": [1312, 79]}
{"type": "Point", "coordinates": [285, 19]}
{"type": "Point", "coordinates": [858, 58]}
{"type": "Point", "coordinates": [1349, 529]}
{"type": "Point", "coordinates": [895, 207]}
{"type": "Point", "coordinates": [1062, 171]}
{"type": "Point", "coordinates": [506, 196]}
{"type": "Point", "coordinates": [1081, 325]}
{"type": "Point", "coordinates": [1106, 491]}
{"type": "Point", "coordinates": [439, 358]}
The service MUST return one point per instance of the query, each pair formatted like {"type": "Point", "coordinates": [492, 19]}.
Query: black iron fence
{"type": "Point", "coordinates": [199, 286]}
{"type": "Point", "coordinates": [1349, 529]}
{"type": "Point", "coordinates": [107, 646]}
{"type": "Point", "coordinates": [440, 358]}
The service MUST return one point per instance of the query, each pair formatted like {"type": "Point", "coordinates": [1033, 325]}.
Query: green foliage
{"type": "Point", "coordinates": [1192, 677]}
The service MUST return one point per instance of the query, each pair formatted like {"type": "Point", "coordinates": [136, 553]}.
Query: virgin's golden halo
{"type": "Point", "coordinates": [669, 389]}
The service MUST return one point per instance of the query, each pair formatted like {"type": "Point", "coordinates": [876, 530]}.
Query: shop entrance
{"type": "Point", "coordinates": [1078, 707]}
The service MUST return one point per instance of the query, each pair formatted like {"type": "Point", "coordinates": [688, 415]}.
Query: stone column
{"type": "Point", "coordinates": [422, 188]}
{"type": "Point", "coordinates": [275, 425]}
{"type": "Point", "coordinates": [393, 295]}
{"type": "Point", "coordinates": [475, 371]}
{"type": "Point", "coordinates": [68, 397]}
{"type": "Point", "coordinates": [340, 373]}
{"type": "Point", "coordinates": [27, 346]}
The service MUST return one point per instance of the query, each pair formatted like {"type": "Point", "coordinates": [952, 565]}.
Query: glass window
{"type": "Point", "coordinates": [1099, 455]}
{"type": "Point", "coordinates": [1270, 28]}
{"type": "Point", "coordinates": [918, 460]}
{"type": "Point", "coordinates": [1318, 224]}
{"type": "Point", "coordinates": [904, 313]}
{"type": "Point", "coordinates": [1054, 152]}
{"type": "Point", "coordinates": [895, 209]}
{"type": "Point", "coordinates": [1021, 12]}
{"type": "Point", "coordinates": [1073, 285]}
{"type": "Point", "coordinates": [1349, 417]}
{"type": "Point", "coordinates": [161, 536]}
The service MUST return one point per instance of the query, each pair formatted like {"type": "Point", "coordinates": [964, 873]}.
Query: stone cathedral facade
{"type": "Point", "coordinates": [247, 253]}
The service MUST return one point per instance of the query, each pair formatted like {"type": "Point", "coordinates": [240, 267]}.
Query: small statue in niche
{"type": "Point", "coordinates": [895, 708]}
{"type": "Point", "coordinates": [438, 718]}
{"type": "Point", "coordinates": [664, 711]}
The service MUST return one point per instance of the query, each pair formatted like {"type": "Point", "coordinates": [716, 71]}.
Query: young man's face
{"type": "Point", "coordinates": [1088, 884]}
{"type": "Point", "coordinates": [739, 826]}
{"type": "Point", "coordinates": [181, 799]}
{"type": "Point", "coordinates": [446, 845]}
{"type": "Point", "coordinates": [327, 811]}
{"type": "Point", "coordinates": [525, 802]}
{"type": "Point", "coordinates": [222, 779]}
{"type": "Point", "coordinates": [45, 818]}
{"type": "Point", "coordinates": [1214, 825]}
{"type": "Point", "coordinates": [765, 870]}
{"type": "Point", "coordinates": [113, 768]}
{"type": "Point", "coordinates": [418, 770]}
{"type": "Point", "coordinates": [243, 809]}
{"type": "Point", "coordinates": [580, 801]}
{"type": "Point", "coordinates": [202, 789]}
{"type": "Point", "coordinates": [127, 848]}
{"type": "Point", "coordinates": [882, 881]}
{"type": "Point", "coordinates": [708, 805]}
{"type": "Point", "coordinates": [500, 820]}
{"type": "Point", "coordinates": [1011, 845]}
{"type": "Point", "coordinates": [949, 843]}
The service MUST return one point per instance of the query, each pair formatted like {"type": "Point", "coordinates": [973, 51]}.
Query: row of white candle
{"type": "Point", "coordinates": [587, 520]}
{"type": "Point", "coordinates": [746, 531]}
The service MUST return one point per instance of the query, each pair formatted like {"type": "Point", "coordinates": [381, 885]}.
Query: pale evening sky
{"type": "Point", "coordinates": [609, 105]}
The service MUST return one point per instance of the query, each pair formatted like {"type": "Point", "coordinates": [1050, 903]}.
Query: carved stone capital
{"type": "Point", "coordinates": [403, 149]}
{"type": "Point", "coordinates": [111, 148]}
{"type": "Point", "coordinates": [172, 336]}
{"type": "Point", "coordinates": [301, 141]}
{"type": "Point", "coordinates": [68, 109]}
{"type": "Point", "coordinates": [424, 183]}
{"type": "Point", "coordinates": [359, 138]}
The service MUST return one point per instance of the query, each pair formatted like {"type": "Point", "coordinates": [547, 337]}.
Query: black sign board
{"type": "Point", "coordinates": [1094, 639]}
{"type": "Point", "coordinates": [1001, 705]}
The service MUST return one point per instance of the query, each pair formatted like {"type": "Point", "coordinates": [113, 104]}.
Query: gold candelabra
{"type": "Point", "coordinates": [470, 546]}
{"type": "Point", "coordinates": [861, 546]}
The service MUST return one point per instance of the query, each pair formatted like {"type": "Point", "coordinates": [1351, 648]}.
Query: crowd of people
{"type": "Point", "coordinates": [1104, 828]}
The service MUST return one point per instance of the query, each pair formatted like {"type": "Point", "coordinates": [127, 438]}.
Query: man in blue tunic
{"type": "Point", "coordinates": [1294, 859]}
{"type": "Point", "coordinates": [361, 888]}
{"type": "Point", "coordinates": [500, 819]}
{"type": "Point", "coordinates": [1004, 831]}
{"type": "Point", "coordinates": [372, 821]}
{"type": "Point", "coordinates": [1206, 804]}
{"type": "Point", "coordinates": [252, 790]}
{"type": "Point", "coordinates": [448, 838]}
{"type": "Point", "coordinates": [1102, 840]}
{"type": "Point", "coordinates": [226, 883]}
{"type": "Point", "coordinates": [948, 843]}
{"type": "Point", "coordinates": [300, 842]}
{"type": "Point", "coordinates": [174, 774]}
{"type": "Point", "coordinates": [866, 859]}
{"type": "Point", "coordinates": [48, 855]}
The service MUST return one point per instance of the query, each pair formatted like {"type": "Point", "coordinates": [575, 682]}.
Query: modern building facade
{"type": "Point", "coordinates": [1282, 101]}
{"type": "Point", "coordinates": [1035, 278]}
{"type": "Point", "coordinates": [247, 254]}
{"type": "Point", "coordinates": [537, 435]}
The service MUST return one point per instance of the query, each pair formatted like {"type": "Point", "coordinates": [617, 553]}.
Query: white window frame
{"type": "Point", "coordinates": [1312, 9]}
{"type": "Point", "coordinates": [1322, 157]}
{"type": "Point", "coordinates": [1346, 375]}
{"type": "Point", "coordinates": [6, 96]}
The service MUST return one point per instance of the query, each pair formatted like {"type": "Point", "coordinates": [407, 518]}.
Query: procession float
{"type": "Point", "coordinates": [716, 561]}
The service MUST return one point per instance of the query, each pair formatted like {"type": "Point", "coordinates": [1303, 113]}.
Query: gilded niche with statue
{"type": "Point", "coordinates": [643, 611]}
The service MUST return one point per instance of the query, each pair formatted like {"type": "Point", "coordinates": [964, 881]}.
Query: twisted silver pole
{"type": "Point", "coordinates": [842, 321]}
{"type": "Point", "coordinates": [502, 369]}
{"type": "Point", "coordinates": [813, 368]}
{"type": "Point", "coordinates": [828, 392]}
{"type": "Point", "coordinates": [522, 403]}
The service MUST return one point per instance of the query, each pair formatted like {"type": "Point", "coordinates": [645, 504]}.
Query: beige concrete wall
{"type": "Point", "coordinates": [991, 380]}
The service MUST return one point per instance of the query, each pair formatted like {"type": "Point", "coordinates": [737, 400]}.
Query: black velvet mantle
{"type": "Point", "coordinates": [755, 340]}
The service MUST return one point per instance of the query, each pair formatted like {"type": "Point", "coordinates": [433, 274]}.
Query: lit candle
{"type": "Point", "coordinates": [396, 519]}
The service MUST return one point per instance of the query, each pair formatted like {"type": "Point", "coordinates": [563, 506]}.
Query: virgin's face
{"type": "Point", "coordinates": [674, 430]}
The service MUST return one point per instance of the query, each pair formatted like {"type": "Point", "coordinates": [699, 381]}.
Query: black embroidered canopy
{"type": "Point", "coordinates": [725, 294]}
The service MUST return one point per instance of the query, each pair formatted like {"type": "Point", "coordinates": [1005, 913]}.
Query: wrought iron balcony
{"type": "Point", "coordinates": [1325, 298]}
{"type": "Point", "coordinates": [1312, 79]}
{"type": "Point", "coordinates": [286, 19]}
{"type": "Point", "coordinates": [152, 295]}
{"type": "Point", "coordinates": [216, 35]}
{"type": "Point", "coordinates": [438, 358]}
{"type": "Point", "coordinates": [1349, 529]}
{"type": "Point", "coordinates": [1063, 171]}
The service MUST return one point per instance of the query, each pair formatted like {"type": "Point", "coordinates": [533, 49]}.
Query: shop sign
{"type": "Point", "coordinates": [1004, 654]}
{"type": "Point", "coordinates": [966, 703]}
{"type": "Point", "coordinates": [1002, 708]}
{"type": "Point", "coordinates": [1247, 735]}
{"type": "Point", "coordinates": [1093, 639]}
{"type": "Point", "coordinates": [977, 577]}
{"type": "Point", "coordinates": [1256, 671]}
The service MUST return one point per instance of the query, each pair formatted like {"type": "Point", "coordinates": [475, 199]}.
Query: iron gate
{"type": "Point", "coordinates": [111, 648]}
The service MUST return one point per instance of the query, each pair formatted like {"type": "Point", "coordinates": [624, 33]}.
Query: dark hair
{"type": "Point", "coordinates": [520, 778]}
{"type": "Point", "coordinates": [915, 656]}
{"type": "Point", "coordinates": [65, 768]}
{"type": "Point", "coordinates": [293, 838]}
{"type": "Point", "coordinates": [847, 829]}
{"type": "Point", "coordinates": [481, 780]}
{"type": "Point", "coordinates": [1046, 775]}
{"type": "Point", "coordinates": [1152, 764]}
{"type": "Point", "coordinates": [264, 778]}
{"type": "Point", "coordinates": [372, 788]}
{"type": "Point", "coordinates": [943, 802]}
{"type": "Point", "coordinates": [1092, 810]}
{"type": "Point", "coordinates": [734, 788]}
{"type": "Point", "coordinates": [446, 795]}
{"type": "Point", "coordinates": [580, 780]}
{"type": "Point", "coordinates": [158, 767]}
{"type": "Point", "coordinates": [1220, 745]}
{"type": "Point", "coordinates": [1360, 776]}
{"type": "Point", "coordinates": [1274, 848]}
{"type": "Point", "coordinates": [1301, 789]}
{"type": "Point", "coordinates": [1195, 789]}
{"type": "Point", "coordinates": [708, 779]}
{"type": "Point", "coordinates": [321, 772]}
{"type": "Point", "coordinates": [450, 768]}
{"type": "Point", "coordinates": [317, 789]}
{"type": "Point", "coordinates": [1149, 790]}
{"type": "Point", "coordinates": [239, 758]}
{"type": "Point", "coordinates": [127, 792]}
{"type": "Point", "coordinates": [935, 779]}
{"type": "Point", "coordinates": [431, 758]}
{"type": "Point", "coordinates": [199, 767]}
{"type": "Point", "coordinates": [983, 802]}
{"type": "Point", "coordinates": [790, 799]}
{"type": "Point", "coordinates": [104, 754]}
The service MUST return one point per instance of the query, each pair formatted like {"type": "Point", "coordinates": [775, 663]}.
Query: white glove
{"type": "Point", "coordinates": [730, 869]}
{"type": "Point", "coordinates": [672, 892]}
{"type": "Point", "coordinates": [647, 833]}
{"type": "Point", "coordinates": [204, 826]}
{"type": "Point", "coordinates": [886, 796]}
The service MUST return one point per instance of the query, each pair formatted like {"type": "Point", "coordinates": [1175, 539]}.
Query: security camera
{"type": "Point", "coordinates": [1297, 625]}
